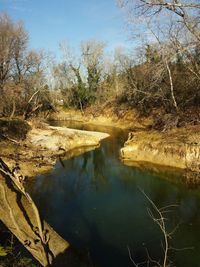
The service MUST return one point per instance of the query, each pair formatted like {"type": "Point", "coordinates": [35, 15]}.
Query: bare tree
{"type": "Point", "coordinates": [7, 42]}
{"type": "Point", "coordinates": [187, 12]}
{"type": "Point", "coordinates": [13, 43]}
{"type": "Point", "coordinates": [21, 70]}
{"type": "Point", "coordinates": [92, 54]}
{"type": "Point", "coordinates": [71, 79]}
{"type": "Point", "coordinates": [80, 77]}
{"type": "Point", "coordinates": [173, 5]}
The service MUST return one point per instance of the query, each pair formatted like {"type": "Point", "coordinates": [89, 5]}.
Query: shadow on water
{"type": "Point", "coordinates": [94, 201]}
{"type": "Point", "coordinates": [20, 215]}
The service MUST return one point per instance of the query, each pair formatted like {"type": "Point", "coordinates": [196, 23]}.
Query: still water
{"type": "Point", "coordinates": [95, 202]}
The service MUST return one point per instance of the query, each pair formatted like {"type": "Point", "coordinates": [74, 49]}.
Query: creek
{"type": "Point", "coordinates": [95, 202]}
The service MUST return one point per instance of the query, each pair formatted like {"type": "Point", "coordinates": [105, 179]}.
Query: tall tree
{"type": "Point", "coordinates": [21, 70]}
{"type": "Point", "coordinates": [187, 11]}
{"type": "Point", "coordinates": [92, 54]}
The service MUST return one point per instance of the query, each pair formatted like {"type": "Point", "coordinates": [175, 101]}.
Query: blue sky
{"type": "Point", "coordinates": [52, 21]}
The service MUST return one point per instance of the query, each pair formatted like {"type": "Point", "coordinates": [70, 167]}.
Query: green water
{"type": "Point", "coordinates": [95, 202]}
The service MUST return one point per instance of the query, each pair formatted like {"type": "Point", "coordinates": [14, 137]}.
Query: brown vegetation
{"type": "Point", "coordinates": [163, 75]}
{"type": "Point", "coordinates": [13, 130]}
{"type": "Point", "coordinates": [160, 81]}
{"type": "Point", "coordinates": [22, 77]}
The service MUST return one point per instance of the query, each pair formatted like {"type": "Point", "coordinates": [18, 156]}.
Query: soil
{"type": "Point", "coordinates": [42, 147]}
{"type": "Point", "coordinates": [123, 117]}
{"type": "Point", "coordinates": [177, 147]}
{"type": "Point", "coordinates": [173, 147]}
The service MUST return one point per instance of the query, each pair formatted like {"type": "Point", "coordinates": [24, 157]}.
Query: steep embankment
{"type": "Point", "coordinates": [175, 148]}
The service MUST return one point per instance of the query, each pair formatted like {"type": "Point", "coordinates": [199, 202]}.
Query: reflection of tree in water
{"type": "Point", "coordinates": [99, 179]}
{"type": "Point", "coordinates": [81, 183]}
{"type": "Point", "coordinates": [84, 168]}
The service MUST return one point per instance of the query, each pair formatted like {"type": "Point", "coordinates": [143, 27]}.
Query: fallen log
{"type": "Point", "coordinates": [21, 216]}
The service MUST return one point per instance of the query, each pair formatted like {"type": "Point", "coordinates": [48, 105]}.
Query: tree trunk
{"type": "Point", "coordinates": [171, 86]}
{"type": "Point", "coordinates": [13, 109]}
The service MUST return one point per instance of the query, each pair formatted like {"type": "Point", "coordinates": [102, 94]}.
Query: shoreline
{"type": "Point", "coordinates": [38, 153]}
{"type": "Point", "coordinates": [175, 148]}
{"type": "Point", "coordinates": [179, 148]}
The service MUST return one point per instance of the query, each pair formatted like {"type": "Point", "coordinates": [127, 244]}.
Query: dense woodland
{"type": "Point", "coordinates": [161, 73]}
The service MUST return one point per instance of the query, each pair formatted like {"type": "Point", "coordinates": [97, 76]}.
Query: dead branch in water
{"type": "Point", "coordinates": [158, 216]}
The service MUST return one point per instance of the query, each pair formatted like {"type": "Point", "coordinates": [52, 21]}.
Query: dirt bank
{"type": "Point", "coordinates": [178, 148]}
{"type": "Point", "coordinates": [123, 117]}
{"type": "Point", "coordinates": [42, 147]}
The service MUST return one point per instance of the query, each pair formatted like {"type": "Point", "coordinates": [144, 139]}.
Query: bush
{"type": "Point", "coordinates": [16, 129]}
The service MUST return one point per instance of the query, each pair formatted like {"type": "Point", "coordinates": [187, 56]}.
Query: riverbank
{"type": "Point", "coordinates": [122, 117]}
{"type": "Point", "coordinates": [44, 145]}
{"type": "Point", "coordinates": [178, 148]}
{"type": "Point", "coordinates": [175, 147]}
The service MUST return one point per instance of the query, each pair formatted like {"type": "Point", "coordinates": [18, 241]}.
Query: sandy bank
{"type": "Point", "coordinates": [123, 117]}
{"type": "Point", "coordinates": [39, 152]}
{"type": "Point", "coordinates": [178, 148]}
{"type": "Point", "coordinates": [58, 139]}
